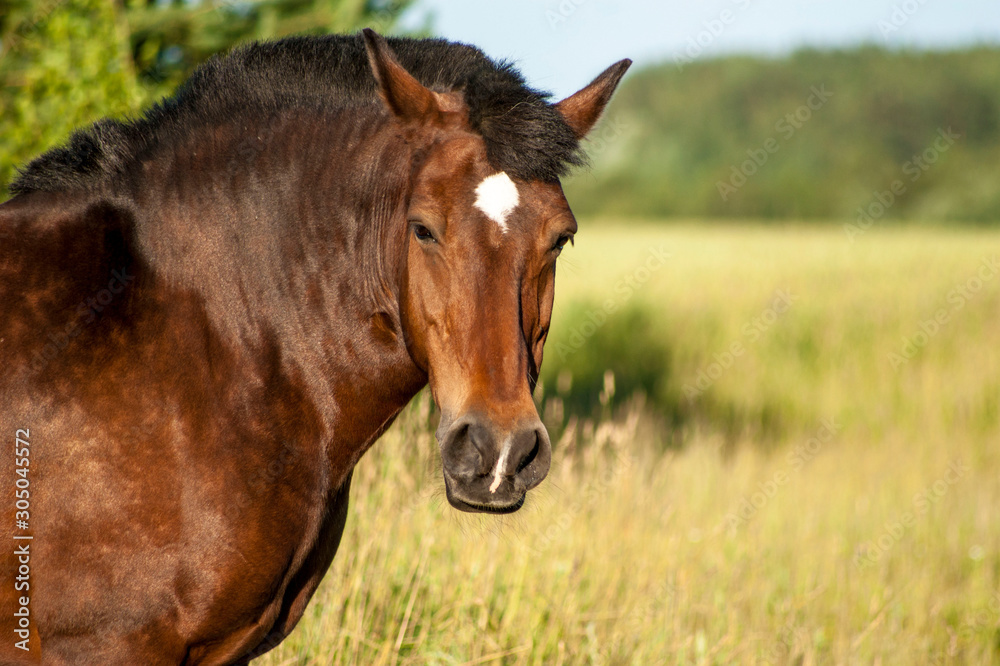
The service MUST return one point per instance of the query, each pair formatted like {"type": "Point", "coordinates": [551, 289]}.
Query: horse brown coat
{"type": "Point", "coordinates": [202, 333]}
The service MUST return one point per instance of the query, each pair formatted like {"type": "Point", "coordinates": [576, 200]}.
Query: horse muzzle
{"type": "Point", "coordinates": [490, 469]}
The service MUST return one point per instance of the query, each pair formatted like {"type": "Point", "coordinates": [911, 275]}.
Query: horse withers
{"type": "Point", "coordinates": [212, 311]}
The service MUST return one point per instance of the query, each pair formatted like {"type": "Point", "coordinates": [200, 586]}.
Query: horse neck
{"type": "Point", "coordinates": [285, 231]}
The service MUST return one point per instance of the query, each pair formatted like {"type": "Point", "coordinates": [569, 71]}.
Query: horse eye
{"type": "Point", "coordinates": [422, 232]}
{"type": "Point", "coordinates": [561, 243]}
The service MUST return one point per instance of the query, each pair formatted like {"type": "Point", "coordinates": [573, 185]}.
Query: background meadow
{"type": "Point", "coordinates": [772, 380]}
{"type": "Point", "coordinates": [813, 505]}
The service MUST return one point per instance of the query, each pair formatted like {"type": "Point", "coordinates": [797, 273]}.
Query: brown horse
{"type": "Point", "coordinates": [210, 313]}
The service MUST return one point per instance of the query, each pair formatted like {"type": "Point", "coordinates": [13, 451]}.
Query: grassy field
{"type": "Point", "coordinates": [778, 445]}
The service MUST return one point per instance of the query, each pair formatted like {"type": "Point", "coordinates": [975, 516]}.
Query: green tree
{"type": "Point", "coordinates": [168, 39]}
{"type": "Point", "coordinates": [66, 63]}
{"type": "Point", "coordinates": [63, 65]}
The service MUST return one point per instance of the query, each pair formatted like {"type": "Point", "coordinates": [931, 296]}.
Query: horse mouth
{"type": "Point", "coordinates": [469, 505]}
{"type": "Point", "coordinates": [472, 507]}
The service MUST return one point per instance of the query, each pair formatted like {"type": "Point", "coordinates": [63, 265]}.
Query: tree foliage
{"type": "Point", "coordinates": [66, 63]}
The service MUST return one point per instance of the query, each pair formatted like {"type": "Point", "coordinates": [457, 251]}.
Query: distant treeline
{"type": "Point", "coordinates": [865, 134]}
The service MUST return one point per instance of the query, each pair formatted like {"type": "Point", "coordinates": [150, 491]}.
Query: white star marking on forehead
{"type": "Point", "coordinates": [497, 197]}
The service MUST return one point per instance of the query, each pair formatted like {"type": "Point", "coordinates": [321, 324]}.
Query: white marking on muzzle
{"type": "Point", "coordinates": [497, 197]}
{"type": "Point", "coordinates": [501, 463]}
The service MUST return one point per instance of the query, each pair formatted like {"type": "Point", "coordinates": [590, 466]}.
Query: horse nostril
{"type": "Point", "coordinates": [528, 458]}
{"type": "Point", "coordinates": [466, 448]}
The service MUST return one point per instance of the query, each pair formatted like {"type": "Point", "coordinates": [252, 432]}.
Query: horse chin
{"type": "Point", "coordinates": [499, 503]}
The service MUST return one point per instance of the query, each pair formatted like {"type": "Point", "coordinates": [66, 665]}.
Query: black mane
{"type": "Point", "coordinates": [523, 132]}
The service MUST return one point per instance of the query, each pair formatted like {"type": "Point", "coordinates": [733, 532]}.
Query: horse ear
{"type": "Point", "coordinates": [582, 109]}
{"type": "Point", "coordinates": [404, 95]}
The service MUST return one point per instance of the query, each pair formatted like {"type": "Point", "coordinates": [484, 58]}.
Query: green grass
{"type": "Point", "coordinates": [813, 504]}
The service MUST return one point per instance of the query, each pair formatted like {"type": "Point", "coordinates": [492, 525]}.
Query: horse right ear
{"type": "Point", "coordinates": [582, 109]}
{"type": "Point", "coordinates": [406, 98]}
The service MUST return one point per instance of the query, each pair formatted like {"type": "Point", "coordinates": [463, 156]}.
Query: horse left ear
{"type": "Point", "coordinates": [582, 109]}
{"type": "Point", "coordinates": [404, 95]}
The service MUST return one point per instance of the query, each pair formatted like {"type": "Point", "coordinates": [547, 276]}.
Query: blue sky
{"type": "Point", "coordinates": [560, 45]}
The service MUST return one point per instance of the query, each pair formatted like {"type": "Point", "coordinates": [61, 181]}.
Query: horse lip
{"type": "Point", "coordinates": [468, 507]}
{"type": "Point", "coordinates": [471, 506]}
